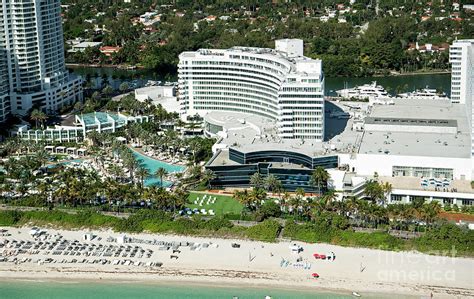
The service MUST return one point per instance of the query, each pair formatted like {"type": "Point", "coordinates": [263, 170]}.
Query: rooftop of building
{"type": "Point", "coordinates": [158, 95]}
{"type": "Point", "coordinates": [249, 133]}
{"type": "Point", "coordinates": [221, 159]}
{"type": "Point", "coordinates": [271, 54]}
{"type": "Point", "coordinates": [414, 183]}
{"type": "Point", "coordinates": [418, 143]}
{"type": "Point", "coordinates": [86, 44]}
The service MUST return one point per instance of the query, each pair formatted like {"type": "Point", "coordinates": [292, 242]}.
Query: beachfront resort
{"type": "Point", "coordinates": [245, 147]}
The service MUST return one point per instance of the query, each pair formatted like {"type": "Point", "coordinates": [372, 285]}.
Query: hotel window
{"type": "Point", "coordinates": [397, 197]}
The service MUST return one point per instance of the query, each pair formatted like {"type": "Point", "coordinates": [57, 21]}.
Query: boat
{"type": "Point", "coordinates": [339, 115]}
{"type": "Point", "coordinates": [356, 294]}
{"type": "Point", "coordinates": [362, 92]}
{"type": "Point", "coordinates": [424, 94]}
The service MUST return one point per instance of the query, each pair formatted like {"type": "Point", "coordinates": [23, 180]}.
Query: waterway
{"type": "Point", "coordinates": [138, 78]}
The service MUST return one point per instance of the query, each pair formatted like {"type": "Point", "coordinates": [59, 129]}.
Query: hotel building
{"type": "Point", "coordinates": [31, 36]}
{"type": "Point", "coordinates": [278, 84]}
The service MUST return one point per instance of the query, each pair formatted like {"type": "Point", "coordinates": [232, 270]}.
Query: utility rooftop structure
{"type": "Point", "coordinates": [278, 84]}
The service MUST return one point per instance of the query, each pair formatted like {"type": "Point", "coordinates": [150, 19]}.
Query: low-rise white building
{"type": "Point", "coordinates": [159, 95]}
{"type": "Point", "coordinates": [82, 46]}
{"type": "Point", "coordinates": [397, 142]}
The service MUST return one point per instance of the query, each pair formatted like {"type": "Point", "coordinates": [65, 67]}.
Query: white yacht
{"type": "Point", "coordinates": [425, 93]}
{"type": "Point", "coordinates": [366, 91]}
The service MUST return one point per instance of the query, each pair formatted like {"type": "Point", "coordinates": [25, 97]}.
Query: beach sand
{"type": "Point", "coordinates": [258, 264]}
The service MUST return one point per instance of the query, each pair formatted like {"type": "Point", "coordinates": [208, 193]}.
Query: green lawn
{"type": "Point", "coordinates": [223, 204]}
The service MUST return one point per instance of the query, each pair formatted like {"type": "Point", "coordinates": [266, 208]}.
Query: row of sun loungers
{"type": "Point", "coordinates": [205, 201]}
{"type": "Point", "coordinates": [197, 211]}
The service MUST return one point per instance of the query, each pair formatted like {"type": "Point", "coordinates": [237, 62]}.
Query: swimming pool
{"type": "Point", "coordinates": [64, 163]}
{"type": "Point", "coordinates": [152, 165]}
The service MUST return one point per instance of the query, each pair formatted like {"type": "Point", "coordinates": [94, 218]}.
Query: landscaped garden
{"type": "Point", "coordinates": [221, 205]}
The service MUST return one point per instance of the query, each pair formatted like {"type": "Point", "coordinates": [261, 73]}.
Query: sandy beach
{"type": "Point", "coordinates": [214, 261]}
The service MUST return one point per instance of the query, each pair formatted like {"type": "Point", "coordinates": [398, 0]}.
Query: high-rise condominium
{"type": "Point", "coordinates": [280, 84]}
{"type": "Point", "coordinates": [4, 86]}
{"type": "Point", "coordinates": [461, 57]}
{"type": "Point", "coordinates": [31, 35]}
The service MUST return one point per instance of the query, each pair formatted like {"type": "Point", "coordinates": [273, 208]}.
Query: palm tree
{"type": "Point", "coordinates": [243, 198]}
{"type": "Point", "coordinates": [34, 116]}
{"type": "Point", "coordinates": [295, 202]}
{"type": "Point", "coordinates": [42, 157]}
{"type": "Point", "coordinates": [116, 171]}
{"type": "Point", "coordinates": [373, 190]}
{"type": "Point", "coordinates": [285, 199]}
{"type": "Point", "coordinates": [142, 173]}
{"type": "Point", "coordinates": [271, 182]}
{"type": "Point", "coordinates": [130, 162]}
{"type": "Point", "coordinates": [161, 172]}
{"type": "Point", "coordinates": [430, 212]}
{"type": "Point", "coordinates": [256, 180]}
{"type": "Point", "coordinates": [319, 177]}
{"type": "Point", "coordinates": [38, 116]}
{"type": "Point", "coordinates": [257, 195]}
{"type": "Point", "coordinates": [300, 193]}
{"type": "Point", "coordinates": [329, 197]}
{"type": "Point", "coordinates": [387, 189]}
{"type": "Point", "coordinates": [207, 176]}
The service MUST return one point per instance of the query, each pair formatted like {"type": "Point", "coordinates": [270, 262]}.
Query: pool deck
{"type": "Point", "coordinates": [140, 151]}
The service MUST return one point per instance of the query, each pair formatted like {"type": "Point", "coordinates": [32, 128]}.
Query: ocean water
{"type": "Point", "coordinates": [14, 289]}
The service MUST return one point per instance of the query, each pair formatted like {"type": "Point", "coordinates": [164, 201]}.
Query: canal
{"type": "Point", "coordinates": [393, 84]}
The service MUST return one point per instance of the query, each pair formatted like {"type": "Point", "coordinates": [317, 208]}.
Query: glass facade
{"type": "Point", "coordinates": [283, 157]}
{"type": "Point", "coordinates": [293, 169]}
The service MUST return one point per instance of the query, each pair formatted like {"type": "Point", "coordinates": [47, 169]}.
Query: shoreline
{"type": "Point", "coordinates": [440, 72]}
{"type": "Point", "coordinates": [108, 66]}
{"type": "Point", "coordinates": [355, 269]}
{"type": "Point", "coordinates": [227, 284]}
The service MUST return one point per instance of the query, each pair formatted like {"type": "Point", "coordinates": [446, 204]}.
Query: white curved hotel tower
{"type": "Point", "coordinates": [31, 35]}
{"type": "Point", "coordinates": [280, 84]}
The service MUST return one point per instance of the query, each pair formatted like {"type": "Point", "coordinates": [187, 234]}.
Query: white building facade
{"type": "Point", "coordinates": [279, 84]}
{"type": "Point", "coordinates": [33, 40]}
{"type": "Point", "coordinates": [4, 87]}
{"type": "Point", "coordinates": [461, 57]}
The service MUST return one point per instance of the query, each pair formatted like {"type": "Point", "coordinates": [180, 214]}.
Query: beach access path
{"type": "Point", "coordinates": [257, 264]}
